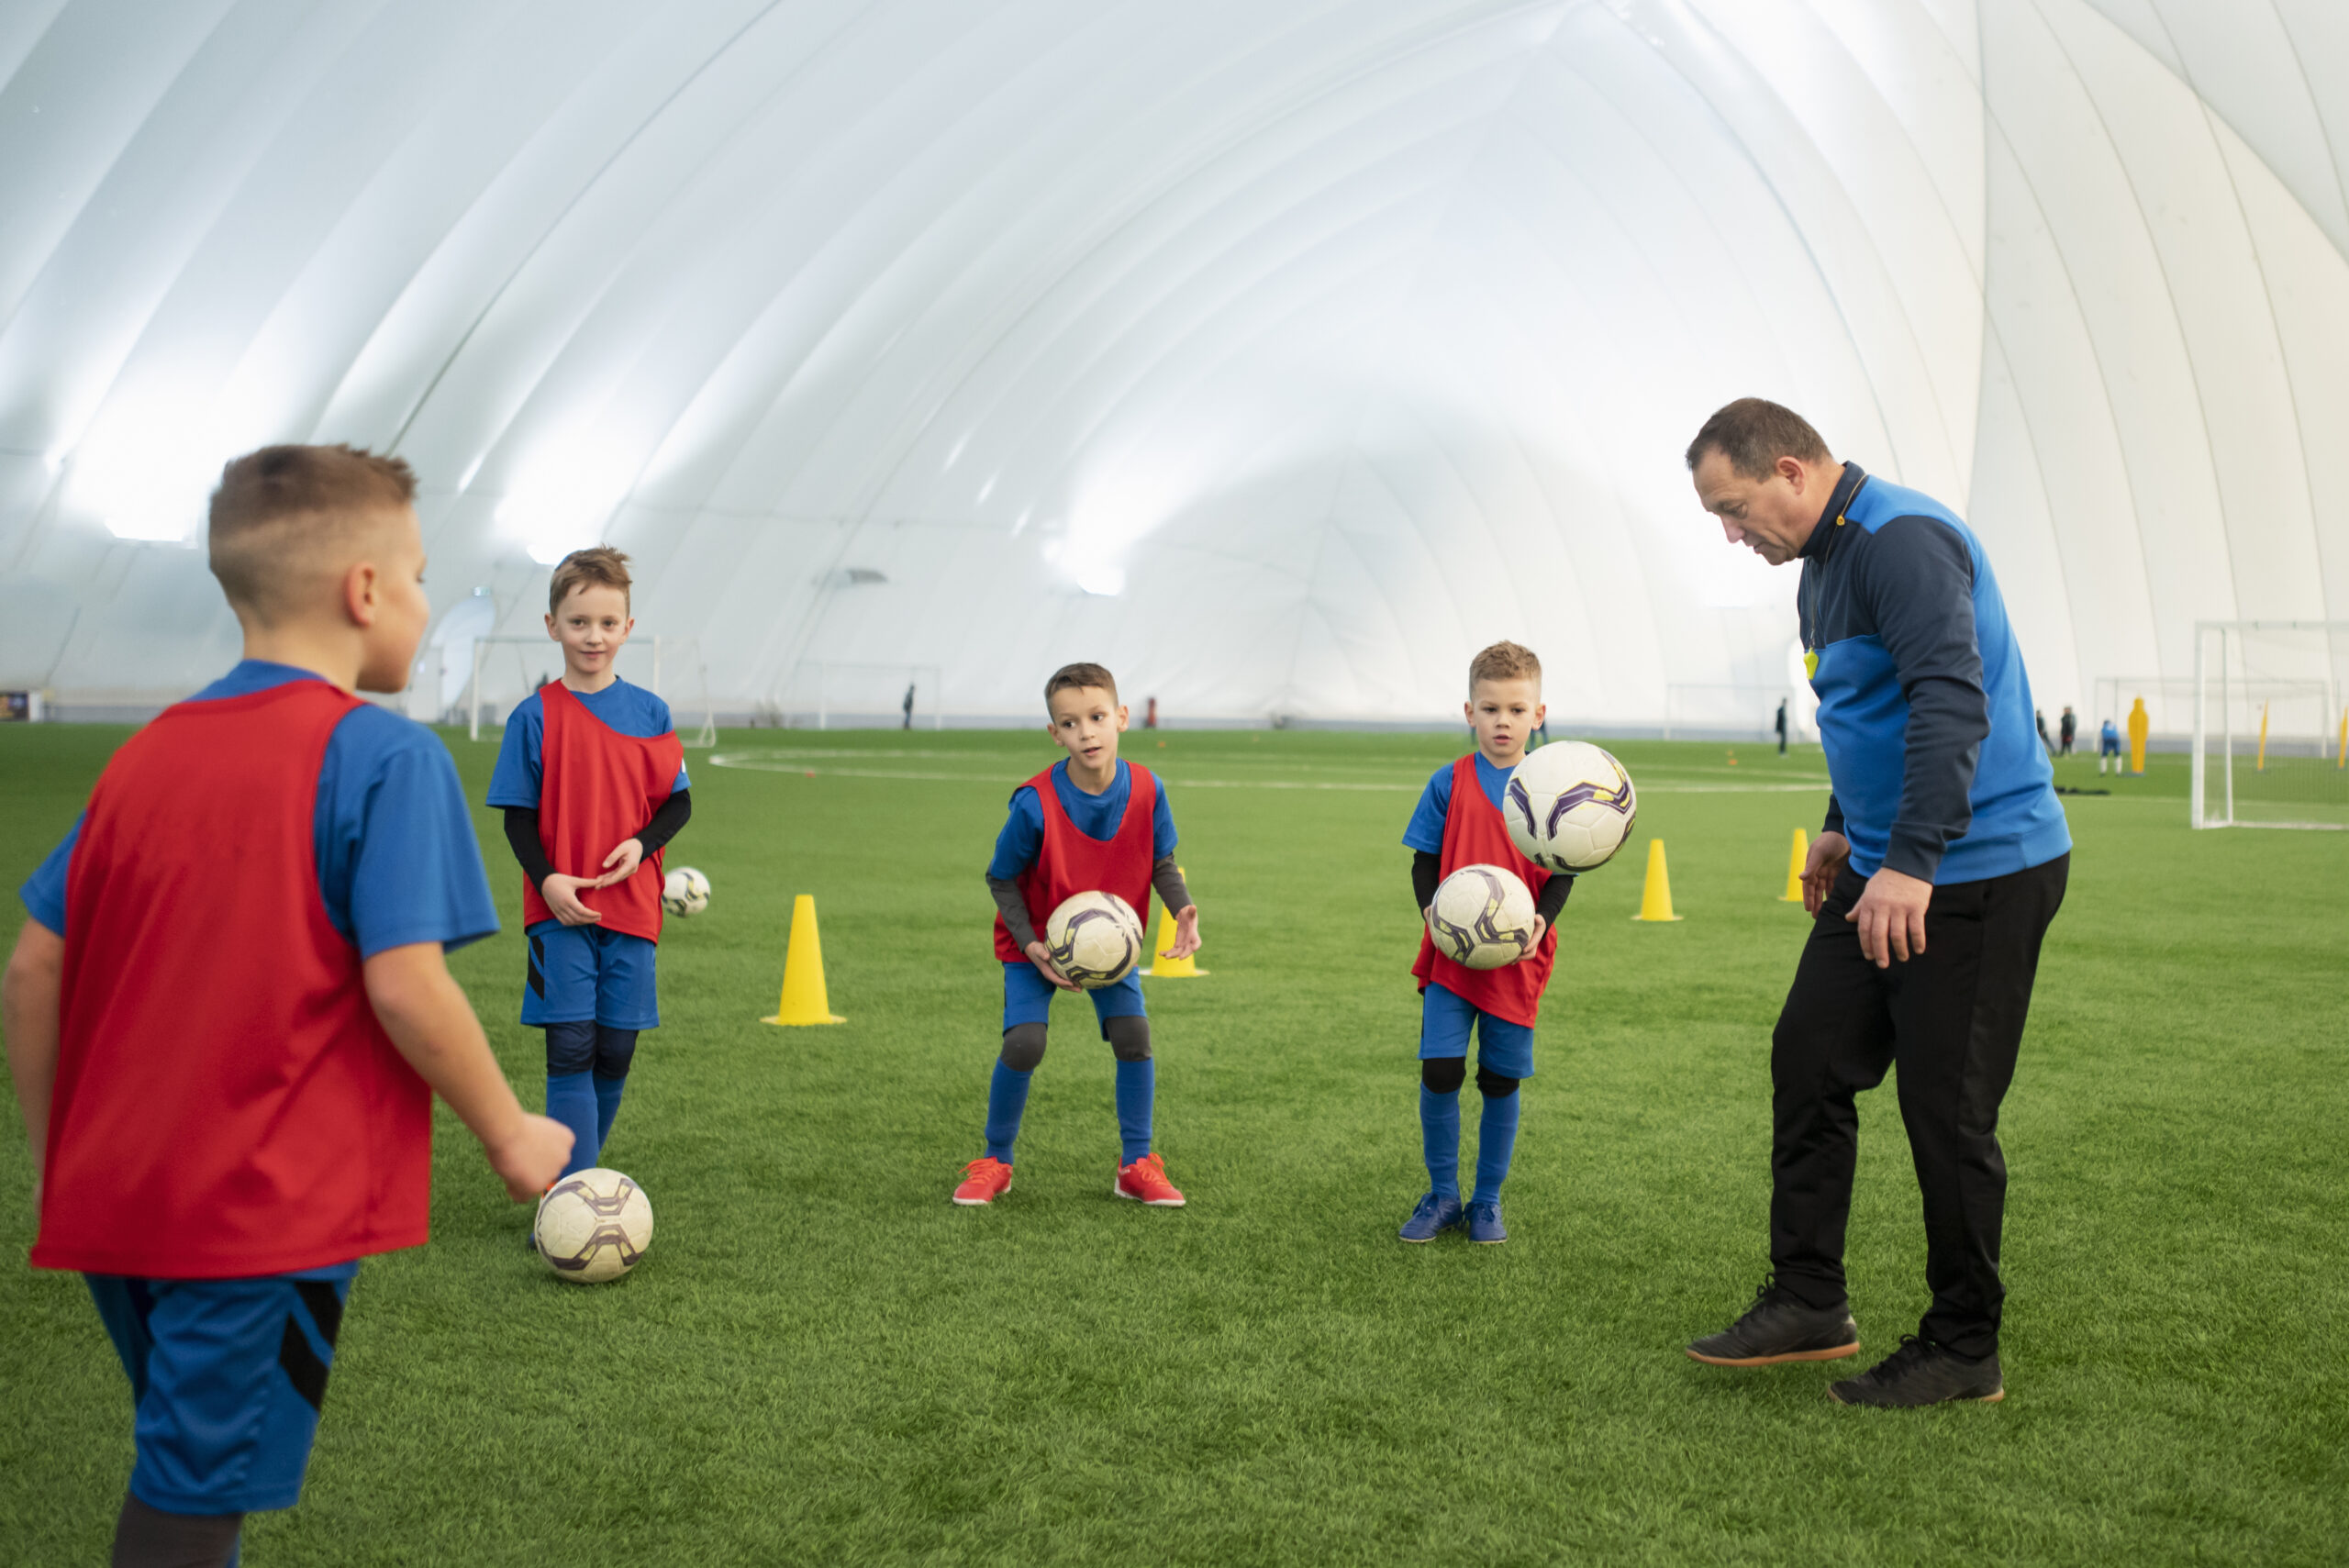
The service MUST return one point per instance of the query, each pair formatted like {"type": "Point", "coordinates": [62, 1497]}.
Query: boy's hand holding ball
{"type": "Point", "coordinates": [1042, 957]}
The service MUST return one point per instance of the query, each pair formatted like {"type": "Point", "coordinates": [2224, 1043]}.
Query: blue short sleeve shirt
{"type": "Point", "coordinates": [1425, 830]}
{"type": "Point", "coordinates": [1095, 816]}
{"type": "Point", "coordinates": [624, 709]}
{"type": "Point", "coordinates": [398, 861]}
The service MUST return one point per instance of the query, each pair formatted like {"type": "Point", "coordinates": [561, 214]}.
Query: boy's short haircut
{"type": "Point", "coordinates": [1504, 661]}
{"type": "Point", "coordinates": [282, 515]}
{"type": "Point", "coordinates": [599, 563]}
{"type": "Point", "coordinates": [1754, 433]}
{"type": "Point", "coordinates": [1076, 677]}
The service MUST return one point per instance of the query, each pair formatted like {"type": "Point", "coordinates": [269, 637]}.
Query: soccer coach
{"type": "Point", "coordinates": [1943, 859]}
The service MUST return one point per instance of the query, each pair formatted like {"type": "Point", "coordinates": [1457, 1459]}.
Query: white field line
{"type": "Point", "coordinates": [772, 763]}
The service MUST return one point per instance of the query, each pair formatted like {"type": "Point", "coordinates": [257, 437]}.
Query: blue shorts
{"type": "Point", "coordinates": [1028, 998]}
{"type": "Point", "coordinates": [2107, 749]}
{"type": "Point", "coordinates": [1501, 1046]}
{"type": "Point", "coordinates": [581, 974]}
{"type": "Point", "coordinates": [228, 1377]}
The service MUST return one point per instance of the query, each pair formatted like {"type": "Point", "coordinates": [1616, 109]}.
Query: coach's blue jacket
{"type": "Point", "coordinates": [1924, 710]}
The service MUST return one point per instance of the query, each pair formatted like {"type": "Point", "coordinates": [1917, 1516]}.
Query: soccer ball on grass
{"type": "Point", "coordinates": [1095, 939]}
{"type": "Point", "coordinates": [1482, 918]}
{"type": "Point", "coordinates": [1569, 807]}
{"type": "Point", "coordinates": [592, 1226]}
{"type": "Point", "coordinates": [685, 891]}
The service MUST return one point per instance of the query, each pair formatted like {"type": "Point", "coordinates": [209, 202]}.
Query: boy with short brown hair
{"type": "Point", "coordinates": [1088, 823]}
{"type": "Point", "coordinates": [230, 1009]}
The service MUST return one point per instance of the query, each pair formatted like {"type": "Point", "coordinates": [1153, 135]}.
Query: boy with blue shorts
{"type": "Point", "coordinates": [230, 1009]}
{"type": "Point", "coordinates": [1088, 823]}
{"type": "Point", "coordinates": [1458, 823]}
{"type": "Point", "coordinates": [591, 778]}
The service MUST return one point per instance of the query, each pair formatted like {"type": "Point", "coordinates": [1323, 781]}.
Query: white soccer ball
{"type": "Point", "coordinates": [592, 1226]}
{"type": "Point", "coordinates": [1569, 807]}
{"type": "Point", "coordinates": [1095, 938]}
{"type": "Point", "coordinates": [1482, 918]}
{"type": "Point", "coordinates": [685, 891]}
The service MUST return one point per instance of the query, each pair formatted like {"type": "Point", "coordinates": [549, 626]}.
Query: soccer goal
{"type": "Point", "coordinates": [831, 694]}
{"type": "Point", "coordinates": [2271, 723]}
{"type": "Point", "coordinates": [509, 667]}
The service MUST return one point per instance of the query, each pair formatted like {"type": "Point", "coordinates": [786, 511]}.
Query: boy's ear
{"type": "Point", "coordinates": [1122, 712]}
{"type": "Point", "coordinates": [358, 594]}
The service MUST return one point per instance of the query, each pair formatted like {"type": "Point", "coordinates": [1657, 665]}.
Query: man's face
{"type": "Point", "coordinates": [401, 605]}
{"type": "Point", "coordinates": [1086, 722]}
{"type": "Point", "coordinates": [592, 624]}
{"type": "Point", "coordinates": [1771, 515]}
{"type": "Point", "coordinates": [1503, 713]}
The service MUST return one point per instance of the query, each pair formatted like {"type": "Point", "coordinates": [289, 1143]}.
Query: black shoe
{"type": "Point", "coordinates": [1921, 1373]}
{"type": "Point", "coordinates": [1777, 1328]}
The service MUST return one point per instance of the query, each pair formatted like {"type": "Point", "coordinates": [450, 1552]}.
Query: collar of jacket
{"type": "Point", "coordinates": [1823, 534]}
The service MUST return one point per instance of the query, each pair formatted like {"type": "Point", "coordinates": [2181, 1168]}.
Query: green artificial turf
{"type": "Point", "coordinates": [823, 1361]}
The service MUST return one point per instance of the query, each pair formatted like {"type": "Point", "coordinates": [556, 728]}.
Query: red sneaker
{"type": "Point", "coordinates": [1145, 1181]}
{"type": "Point", "coordinates": [984, 1180]}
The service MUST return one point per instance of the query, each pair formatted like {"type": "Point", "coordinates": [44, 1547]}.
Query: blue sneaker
{"type": "Point", "coordinates": [1434, 1216]}
{"type": "Point", "coordinates": [1485, 1221]}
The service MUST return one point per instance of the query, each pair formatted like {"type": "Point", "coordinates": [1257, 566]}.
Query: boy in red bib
{"type": "Point", "coordinates": [1088, 823]}
{"type": "Point", "coordinates": [229, 1010]}
{"type": "Point", "coordinates": [1458, 823]}
{"type": "Point", "coordinates": [591, 778]}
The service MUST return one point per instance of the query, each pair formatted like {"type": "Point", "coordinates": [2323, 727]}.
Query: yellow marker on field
{"type": "Point", "coordinates": [2341, 752]}
{"type": "Point", "coordinates": [2141, 725]}
{"type": "Point", "coordinates": [802, 1000]}
{"type": "Point", "coordinates": [1793, 894]}
{"type": "Point", "coordinates": [1655, 899]}
{"type": "Point", "coordinates": [2261, 765]}
{"type": "Point", "coordinates": [1160, 966]}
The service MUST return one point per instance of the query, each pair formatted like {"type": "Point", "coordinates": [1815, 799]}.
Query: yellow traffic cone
{"type": "Point", "coordinates": [1793, 894]}
{"type": "Point", "coordinates": [803, 1001]}
{"type": "Point", "coordinates": [1656, 901]}
{"type": "Point", "coordinates": [1160, 966]}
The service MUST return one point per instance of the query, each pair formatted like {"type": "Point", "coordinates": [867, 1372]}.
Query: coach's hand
{"type": "Point", "coordinates": [621, 864]}
{"type": "Point", "coordinates": [1830, 853]}
{"type": "Point", "coordinates": [1186, 933]}
{"type": "Point", "coordinates": [561, 894]}
{"type": "Point", "coordinates": [1042, 957]}
{"type": "Point", "coordinates": [1891, 917]}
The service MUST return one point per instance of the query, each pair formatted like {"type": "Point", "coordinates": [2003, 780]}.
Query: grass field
{"type": "Point", "coordinates": [823, 1361]}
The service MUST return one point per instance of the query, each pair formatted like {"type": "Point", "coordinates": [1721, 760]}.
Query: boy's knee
{"type": "Point", "coordinates": [1129, 1038]}
{"type": "Point", "coordinates": [146, 1537]}
{"type": "Point", "coordinates": [571, 1047]}
{"type": "Point", "coordinates": [615, 1052]}
{"type": "Point", "coordinates": [1443, 1074]}
{"type": "Point", "coordinates": [1023, 1047]}
{"type": "Point", "coordinates": [1493, 1085]}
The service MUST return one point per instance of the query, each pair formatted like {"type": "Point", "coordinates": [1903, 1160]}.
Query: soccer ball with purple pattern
{"type": "Point", "coordinates": [1095, 938]}
{"type": "Point", "coordinates": [1569, 807]}
{"type": "Point", "coordinates": [1482, 918]}
{"type": "Point", "coordinates": [592, 1226]}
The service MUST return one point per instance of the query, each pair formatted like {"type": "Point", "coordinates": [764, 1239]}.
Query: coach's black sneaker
{"type": "Point", "coordinates": [1777, 1328]}
{"type": "Point", "coordinates": [1921, 1373]}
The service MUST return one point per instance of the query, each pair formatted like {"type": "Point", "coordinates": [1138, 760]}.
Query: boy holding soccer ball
{"type": "Point", "coordinates": [229, 1010]}
{"type": "Point", "coordinates": [1458, 823]}
{"type": "Point", "coordinates": [591, 778]}
{"type": "Point", "coordinates": [1088, 823]}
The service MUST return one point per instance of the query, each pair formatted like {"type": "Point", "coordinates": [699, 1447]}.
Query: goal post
{"type": "Point", "coordinates": [508, 667]}
{"type": "Point", "coordinates": [2270, 724]}
{"type": "Point", "coordinates": [830, 693]}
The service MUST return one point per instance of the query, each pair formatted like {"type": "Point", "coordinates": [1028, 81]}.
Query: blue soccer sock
{"type": "Point", "coordinates": [1440, 1137]}
{"type": "Point", "coordinates": [571, 1100]}
{"type": "Point", "coordinates": [608, 1106]}
{"type": "Point", "coordinates": [1496, 1141]}
{"type": "Point", "coordinates": [1006, 1101]}
{"type": "Point", "coordinates": [1137, 1091]}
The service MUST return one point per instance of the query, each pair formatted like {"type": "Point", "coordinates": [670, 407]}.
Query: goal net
{"type": "Point", "coordinates": [2271, 717]}
{"type": "Point", "coordinates": [824, 693]}
{"type": "Point", "coordinates": [507, 668]}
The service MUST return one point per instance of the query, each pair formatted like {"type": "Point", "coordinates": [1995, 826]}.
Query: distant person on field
{"type": "Point", "coordinates": [908, 707]}
{"type": "Point", "coordinates": [2107, 746]}
{"type": "Point", "coordinates": [2039, 722]}
{"type": "Point", "coordinates": [1942, 859]}
{"type": "Point", "coordinates": [229, 1010]}
{"type": "Point", "coordinates": [591, 776]}
{"type": "Point", "coordinates": [1457, 823]}
{"type": "Point", "coordinates": [1781, 727]}
{"type": "Point", "coordinates": [1088, 823]}
{"type": "Point", "coordinates": [2068, 729]}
